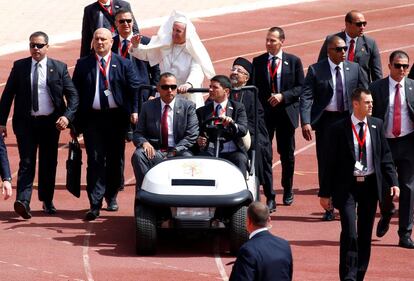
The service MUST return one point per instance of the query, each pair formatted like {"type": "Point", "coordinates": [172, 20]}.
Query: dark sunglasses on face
{"type": "Point", "coordinates": [360, 23]}
{"type": "Point", "coordinates": [37, 45]}
{"type": "Point", "coordinates": [125, 21]}
{"type": "Point", "coordinates": [340, 49]}
{"type": "Point", "coordinates": [399, 65]}
{"type": "Point", "coordinates": [167, 87]}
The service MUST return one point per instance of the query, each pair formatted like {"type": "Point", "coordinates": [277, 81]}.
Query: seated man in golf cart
{"type": "Point", "coordinates": [167, 126]}
{"type": "Point", "coordinates": [230, 116]}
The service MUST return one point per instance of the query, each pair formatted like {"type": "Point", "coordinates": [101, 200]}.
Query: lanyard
{"type": "Point", "coordinates": [222, 111]}
{"type": "Point", "coordinates": [109, 9]}
{"type": "Point", "coordinates": [123, 54]}
{"type": "Point", "coordinates": [104, 71]}
{"type": "Point", "coordinates": [274, 73]}
{"type": "Point", "coordinates": [360, 142]}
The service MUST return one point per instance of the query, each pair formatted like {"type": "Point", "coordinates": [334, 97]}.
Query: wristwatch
{"type": "Point", "coordinates": [7, 179]}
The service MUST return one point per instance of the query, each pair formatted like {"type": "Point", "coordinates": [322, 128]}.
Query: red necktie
{"type": "Point", "coordinates": [351, 52]}
{"type": "Point", "coordinates": [164, 127]}
{"type": "Point", "coordinates": [396, 122]}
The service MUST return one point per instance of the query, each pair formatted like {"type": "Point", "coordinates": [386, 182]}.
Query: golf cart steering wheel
{"type": "Point", "coordinates": [214, 129]}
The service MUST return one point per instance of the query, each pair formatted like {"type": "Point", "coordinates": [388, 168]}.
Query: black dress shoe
{"type": "Point", "coordinates": [406, 243]}
{"type": "Point", "coordinates": [49, 208]}
{"type": "Point", "coordinates": [92, 214]}
{"type": "Point", "coordinates": [112, 206]}
{"type": "Point", "coordinates": [288, 198]}
{"type": "Point", "coordinates": [329, 215]}
{"type": "Point", "coordinates": [383, 226]}
{"type": "Point", "coordinates": [271, 204]}
{"type": "Point", "coordinates": [22, 209]}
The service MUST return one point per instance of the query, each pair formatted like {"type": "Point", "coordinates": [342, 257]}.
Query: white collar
{"type": "Point", "coordinates": [42, 63]}
{"type": "Point", "coordinates": [355, 120]}
{"type": "Point", "coordinates": [333, 65]}
{"type": "Point", "coordinates": [278, 55]}
{"type": "Point", "coordinates": [257, 231]}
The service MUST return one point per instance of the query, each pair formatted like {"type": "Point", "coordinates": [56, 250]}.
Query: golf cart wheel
{"type": "Point", "coordinates": [145, 230]}
{"type": "Point", "coordinates": [238, 231]}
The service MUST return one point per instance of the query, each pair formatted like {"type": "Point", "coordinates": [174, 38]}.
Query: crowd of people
{"type": "Point", "coordinates": [363, 124]}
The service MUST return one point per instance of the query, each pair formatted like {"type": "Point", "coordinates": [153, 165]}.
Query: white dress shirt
{"type": "Point", "coordinates": [332, 106]}
{"type": "Point", "coordinates": [279, 69]}
{"type": "Point", "coordinates": [97, 101]}
{"type": "Point", "coordinates": [46, 106]}
{"type": "Point", "coordinates": [368, 143]}
{"type": "Point", "coordinates": [228, 146]}
{"type": "Point", "coordinates": [407, 125]}
{"type": "Point", "coordinates": [348, 43]}
{"type": "Point", "coordinates": [257, 231]}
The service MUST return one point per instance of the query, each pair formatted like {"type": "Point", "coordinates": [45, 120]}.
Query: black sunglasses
{"type": "Point", "coordinates": [399, 65]}
{"type": "Point", "coordinates": [125, 20]}
{"type": "Point", "coordinates": [37, 45]}
{"type": "Point", "coordinates": [340, 49]}
{"type": "Point", "coordinates": [167, 87]}
{"type": "Point", "coordinates": [360, 23]}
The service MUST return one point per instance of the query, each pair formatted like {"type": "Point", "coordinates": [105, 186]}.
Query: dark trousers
{"type": "Point", "coordinates": [322, 137]}
{"type": "Point", "coordinates": [357, 220]}
{"type": "Point", "coordinates": [402, 150]}
{"type": "Point", "coordinates": [278, 122]}
{"type": "Point", "coordinates": [43, 135]}
{"type": "Point", "coordinates": [264, 169]}
{"type": "Point", "coordinates": [141, 163]}
{"type": "Point", "coordinates": [104, 137]}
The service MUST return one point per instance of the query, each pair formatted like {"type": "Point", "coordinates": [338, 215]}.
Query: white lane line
{"type": "Point", "coordinates": [303, 22]}
{"type": "Point", "coordinates": [85, 254]}
{"type": "Point", "coordinates": [218, 260]}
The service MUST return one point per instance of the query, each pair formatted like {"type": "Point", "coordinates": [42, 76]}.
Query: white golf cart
{"type": "Point", "coordinates": [195, 193]}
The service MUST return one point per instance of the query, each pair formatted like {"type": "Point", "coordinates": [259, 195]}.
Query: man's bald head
{"type": "Point", "coordinates": [102, 41]}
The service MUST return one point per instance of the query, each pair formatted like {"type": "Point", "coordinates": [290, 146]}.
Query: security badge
{"type": "Point", "coordinates": [107, 92]}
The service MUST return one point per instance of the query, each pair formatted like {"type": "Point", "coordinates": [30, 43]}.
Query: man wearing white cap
{"type": "Point", "coordinates": [178, 49]}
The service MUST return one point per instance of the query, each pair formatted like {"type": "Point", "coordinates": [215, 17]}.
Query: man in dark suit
{"type": "Point", "coordinates": [167, 127]}
{"type": "Point", "coordinates": [146, 74]}
{"type": "Point", "coordinates": [240, 75]}
{"type": "Point", "coordinates": [265, 256]}
{"type": "Point", "coordinates": [279, 78]}
{"type": "Point", "coordinates": [6, 188]}
{"type": "Point", "coordinates": [358, 162]}
{"type": "Point", "coordinates": [362, 49]}
{"type": "Point", "coordinates": [395, 106]}
{"type": "Point", "coordinates": [325, 98]}
{"type": "Point", "coordinates": [233, 116]}
{"type": "Point", "coordinates": [107, 86]}
{"type": "Point", "coordinates": [99, 14]}
{"type": "Point", "coordinates": [39, 86]}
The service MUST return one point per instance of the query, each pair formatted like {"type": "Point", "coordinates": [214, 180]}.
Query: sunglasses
{"type": "Point", "coordinates": [399, 65]}
{"type": "Point", "coordinates": [125, 21]}
{"type": "Point", "coordinates": [167, 87]}
{"type": "Point", "coordinates": [340, 49]}
{"type": "Point", "coordinates": [37, 45]}
{"type": "Point", "coordinates": [360, 23]}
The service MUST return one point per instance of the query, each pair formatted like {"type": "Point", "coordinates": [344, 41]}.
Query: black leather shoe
{"type": "Point", "coordinates": [92, 214]}
{"type": "Point", "coordinates": [328, 216]}
{"type": "Point", "coordinates": [49, 208]}
{"type": "Point", "coordinates": [383, 226]}
{"type": "Point", "coordinates": [288, 198]}
{"type": "Point", "coordinates": [112, 206]}
{"type": "Point", "coordinates": [22, 209]}
{"type": "Point", "coordinates": [271, 204]}
{"type": "Point", "coordinates": [406, 243]}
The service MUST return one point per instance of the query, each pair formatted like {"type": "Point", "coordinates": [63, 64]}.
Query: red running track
{"type": "Point", "coordinates": [63, 247]}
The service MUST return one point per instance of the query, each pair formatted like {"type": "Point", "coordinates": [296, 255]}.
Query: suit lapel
{"type": "Point", "coordinates": [229, 109]}
{"type": "Point", "coordinates": [178, 111]}
{"type": "Point", "coordinates": [328, 73]}
{"type": "Point", "coordinates": [26, 74]}
{"type": "Point", "coordinates": [285, 65]}
{"type": "Point", "coordinates": [374, 136]}
{"type": "Point", "coordinates": [347, 72]}
{"type": "Point", "coordinates": [409, 96]}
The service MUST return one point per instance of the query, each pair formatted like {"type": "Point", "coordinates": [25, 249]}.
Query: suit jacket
{"type": "Point", "coordinates": [411, 74]}
{"type": "Point", "coordinates": [185, 127]}
{"type": "Point", "coordinates": [381, 97]}
{"type": "Point", "coordinates": [91, 18]}
{"type": "Point", "coordinates": [262, 258]}
{"type": "Point", "coordinates": [4, 161]}
{"type": "Point", "coordinates": [122, 79]}
{"type": "Point", "coordinates": [148, 75]}
{"type": "Point", "coordinates": [18, 87]}
{"type": "Point", "coordinates": [292, 79]}
{"type": "Point", "coordinates": [318, 89]}
{"type": "Point", "coordinates": [341, 161]}
{"type": "Point", "coordinates": [235, 110]}
{"type": "Point", "coordinates": [366, 55]}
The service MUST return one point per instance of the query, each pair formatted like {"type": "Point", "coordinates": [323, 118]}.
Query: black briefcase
{"type": "Point", "coordinates": [73, 168]}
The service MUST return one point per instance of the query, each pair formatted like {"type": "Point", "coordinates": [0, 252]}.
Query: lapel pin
{"type": "Point", "coordinates": [373, 126]}
{"type": "Point", "coordinates": [362, 49]}
{"type": "Point", "coordinates": [347, 68]}
{"type": "Point", "coordinates": [409, 88]}
{"type": "Point", "coordinates": [285, 62]}
{"type": "Point", "coordinates": [230, 107]}
{"type": "Point", "coordinates": [51, 70]}
{"type": "Point", "coordinates": [114, 65]}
